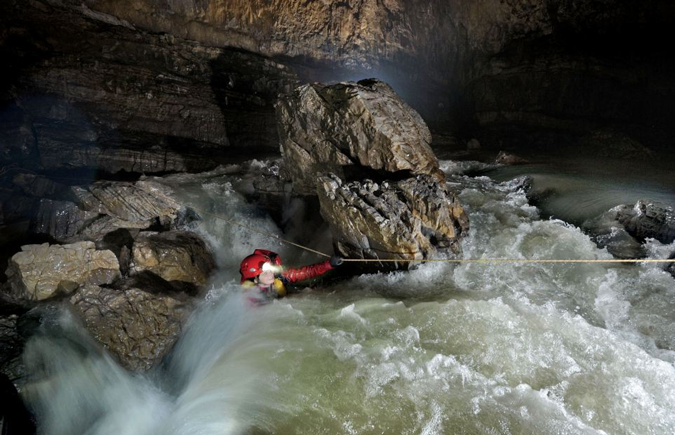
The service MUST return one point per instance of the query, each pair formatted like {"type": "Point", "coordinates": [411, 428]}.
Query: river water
{"type": "Point", "coordinates": [443, 349]}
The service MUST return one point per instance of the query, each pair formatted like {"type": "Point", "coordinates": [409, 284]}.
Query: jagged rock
{"type": "Point", "coordinates": [98, 229]}
{"type": "Point", "coordinates": [330, 128]}
{"type": "Point", "coordinates": [86, 200]}
{"type": "Point", "coordinates": [62, 220]}
{"type": "Point", "coordinates": [647, 219]}
{"type": "Point", "coordinates": [410, 219]}
{"type": "Point", "coordinates": [608, 233]}
{"type": "Point", "coordinates": [137, 325]}
{"type": "Point", "coordinates": [137, 202]}
{"type": "Point", "coordinates": [173, 255]}
{"type": "Point", "coordinates": [41, 271]}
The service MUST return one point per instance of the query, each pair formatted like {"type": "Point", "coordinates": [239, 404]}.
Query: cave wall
{"type": "Point", "coordinates": [95, 92]}
{"type": "Point", "coordinates": [153, 85]}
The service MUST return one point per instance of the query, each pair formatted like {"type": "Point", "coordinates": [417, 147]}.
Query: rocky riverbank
{"type": "Point", "coordinates": [121, 254]}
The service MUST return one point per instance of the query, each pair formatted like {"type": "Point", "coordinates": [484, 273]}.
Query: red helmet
{"type": "Point", "coordinates": [252, 265]}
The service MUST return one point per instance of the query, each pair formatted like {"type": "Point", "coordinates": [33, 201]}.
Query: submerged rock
{"type": "Point", "coordinates": [41, 271]}
{"type": "Point", "coordinates": [137, 325]}
{"type": "Point", "coordinates": [173, 255]}
{"type": "Point", "coordinates": [364, 125]}
{"type": "Point", "coordinates": [410, 219]}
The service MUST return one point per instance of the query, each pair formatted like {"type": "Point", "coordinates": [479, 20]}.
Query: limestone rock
{"type": "Point", "coordinates": [410, 219]}
{"type": "Point", "coordinates": [330, 128]}
{"type": "Point", "coordinates": [136, 325]}
{"type": "Point", "coordinates": [41, 271]}
{"type": "Point", "coordinates": [62, 220]}
{"type": "Point", "coordinates": [135, 202]}
{"type": "Point", "coordinates": [174, 256]}
{"type": "Point", "coordinates": [648, 219]}
{"type": "Point", "coordinates": [114, 98]}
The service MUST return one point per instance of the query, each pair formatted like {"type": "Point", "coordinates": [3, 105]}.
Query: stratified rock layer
{"type": "Point", "coordinates": [174, 256]}
{"type": "Point", "coordinates": [89, 90]}
{"type": "Point", "coordinates": [411, 219]}
{"type": "Point", "coordinates": [134, 202]}
{"type": "Point", "coordinates": [135, 325]}
{"type": "Point", "coordinates": [330, 128]}
{"type": "Point", "coordinates": [41, 271]}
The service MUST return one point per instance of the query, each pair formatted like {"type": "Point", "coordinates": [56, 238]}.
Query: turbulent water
{"type": "Point", "coordinates": [444, 349]}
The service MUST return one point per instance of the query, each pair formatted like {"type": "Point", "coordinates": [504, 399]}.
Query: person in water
{"type": "Point", "coordinates": [264, 278]}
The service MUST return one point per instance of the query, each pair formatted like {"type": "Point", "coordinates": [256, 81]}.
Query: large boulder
{"type": "Point", "coordinates": [648, 219]}
{"type": "Point", "coordinates": [411, 219]}
{"type": "Point", "coordinates": [174, 256]}
{"type": "Point", "coordinates": [138, 323]}
{"type": "Point", "coordinates": [41, 271]}
{"type": "Point", "coordinates": [365, 124]}
{"type": "Point", "coordinates": [137, 202]}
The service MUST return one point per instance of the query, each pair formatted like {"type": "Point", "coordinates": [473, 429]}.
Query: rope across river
{"type": "Point", "coordinates": [440, 260]}
{"type": "Point", "coordinates": [418, 260]}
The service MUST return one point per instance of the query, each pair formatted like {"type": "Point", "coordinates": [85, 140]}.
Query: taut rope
{"type": "Point", "coordinates": [405, 260]}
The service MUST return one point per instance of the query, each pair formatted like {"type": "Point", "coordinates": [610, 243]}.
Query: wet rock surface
{"type": "Point", "coordinates": [42, 271]}
{"type": "Point", "coordinates": [137, 324]}
{"type": "Point", "coordinates": [69, 214]}
{"type": "Point", "coordinates": [647, 219]}
{"type": "Point", "coordinates": [416, 218]}
{"type": "Point", "coordinates": [365, 124]}
{"type": "Point", "coordinates": [11, 346]}
{"type": "Point", "coordinates": [174, 256]}
{"type": "Point", "coordinates": [624, 229]}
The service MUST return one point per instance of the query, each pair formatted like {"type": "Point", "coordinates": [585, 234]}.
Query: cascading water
{"type": "Point", "coordinates": [443, 349]}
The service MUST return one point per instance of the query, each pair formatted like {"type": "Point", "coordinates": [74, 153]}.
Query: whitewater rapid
{"type": "Point", "coordinates": [443, 349]}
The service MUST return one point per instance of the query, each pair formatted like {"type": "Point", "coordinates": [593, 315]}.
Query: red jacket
{"type": "Point", "coordinates": [307, 272]}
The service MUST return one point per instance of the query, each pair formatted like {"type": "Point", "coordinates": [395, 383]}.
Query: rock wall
{"type": "Point", "coordinates": [88, 90]}
{"type": "Point", "coordinates": [151, 86]}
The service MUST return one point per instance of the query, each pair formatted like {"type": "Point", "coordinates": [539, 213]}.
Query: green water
{"type": "Point", "coordinates": [443, 349]}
